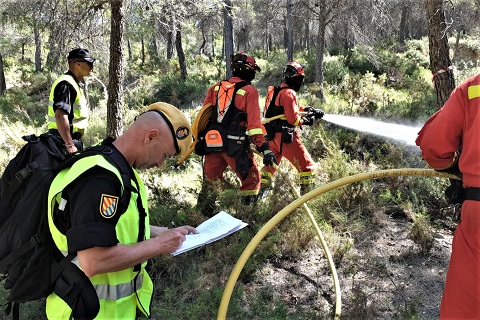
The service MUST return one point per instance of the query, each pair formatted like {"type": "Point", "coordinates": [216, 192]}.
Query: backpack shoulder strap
{"type": "Point", "coordinates": [270, 112]}
{"type": "Point", "coordinates": [112, 155]}
{"type": "Point", "coordinates": [240, 85]}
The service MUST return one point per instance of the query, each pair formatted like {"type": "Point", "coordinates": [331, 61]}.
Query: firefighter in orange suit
{"type": "Point", "coordinates": [283, 135]}
{"type": "Point", "coordinates": [451, 131]}
{"type": "Point", "coordinates": [236, 121]}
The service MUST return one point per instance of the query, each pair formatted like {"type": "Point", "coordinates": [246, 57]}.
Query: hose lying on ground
{"type": "Point", "coordinates": [227, 293]}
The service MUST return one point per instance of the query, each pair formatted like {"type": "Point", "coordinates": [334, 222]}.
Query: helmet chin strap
{"type": "Point", "coordinates": [294, 82]}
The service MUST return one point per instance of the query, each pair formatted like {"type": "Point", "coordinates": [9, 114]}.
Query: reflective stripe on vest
{"type": "Point", "coordinates": [80, 106]}
{"type": "Point", "coordinates": [113, 292]}
{"type": "Point", "coordinates": [119, 291]}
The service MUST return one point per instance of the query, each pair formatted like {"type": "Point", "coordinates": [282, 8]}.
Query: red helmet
{"type": "Point", "coordinates": [242, 61]}
{"type": "Point", "coordinates": [293, 69]}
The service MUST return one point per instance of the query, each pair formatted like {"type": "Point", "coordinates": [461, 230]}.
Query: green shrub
{"type": "Point", "coordinates": [334, 70]}
{"type": "Point", "coordinates": [421, 233]}
{"type": "Point", "coordinates": [177, 92]}
{"type": "Point", "coordinates": [359, 62]}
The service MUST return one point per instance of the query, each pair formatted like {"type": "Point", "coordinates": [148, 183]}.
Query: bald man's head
{"type": "Point", "coordinates": [147, 142]}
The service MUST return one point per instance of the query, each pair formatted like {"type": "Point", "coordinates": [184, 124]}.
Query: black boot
{"type": "Point", "coordinates": [249, 200]}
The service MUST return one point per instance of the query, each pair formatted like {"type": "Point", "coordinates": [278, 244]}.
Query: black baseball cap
{"type": "Point", "coordinates": [81, 54]}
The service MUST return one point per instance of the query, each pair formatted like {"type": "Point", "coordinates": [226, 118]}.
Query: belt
{"type": "Point", "coordinates": [472, 193]}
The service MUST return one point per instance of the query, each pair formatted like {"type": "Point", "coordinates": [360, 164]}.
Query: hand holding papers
{"type": "Point", "coordinates": [219, 226]}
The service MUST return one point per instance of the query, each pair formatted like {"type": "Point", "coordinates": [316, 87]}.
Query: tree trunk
{"type": "Point", "coordinates": [289, 31]}
{"type": "Point", "coordinates": [307, 36]}
{"type": "Point", "coordinates": [129, 48]}
{"type": "Point", "coordinates": [170, 40]}
{"type": "Point", "coordinates": [319, 57]}
{"type": "Point", "coordinates": [3, 83]}
{"type": "Point", "coordinates": [270, 43]}
{"type": "Point", "coordinates": [201, 49]}
{"type": "Point", "coordinates": [116, 72]}
{"type": "Point", "coordinates": [180, 54]}
{"type": "Point", "coordinates": [267, 47]}
{"type": "Point", "coordinates": [228, 35]}
{"type": "Point", "coordinates": [152, 44]}
{"type": "Point", "coordinates": [38, 47]}
{"type": "Point", "coordinates": [213, 44]}
{"type": "Point", "coordinates": [402, 32]}
{"type": "Point", "coordinates": [142, 41]}
{"type": "Point", "coordinates": [440, 63]}
{"type": "Point", "coordinates": [56, 44]}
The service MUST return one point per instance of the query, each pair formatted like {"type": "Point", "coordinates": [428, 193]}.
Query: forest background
{"type": "Point", "coordinates": [389, 237]}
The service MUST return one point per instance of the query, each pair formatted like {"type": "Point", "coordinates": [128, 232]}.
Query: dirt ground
{"type": "Point", "coordinates": [385, 276]}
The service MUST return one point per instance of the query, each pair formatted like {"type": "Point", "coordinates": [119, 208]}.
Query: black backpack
{"type": "Point", "coordinates": [30, 263]}
{"type": "Point", "coordinates": [272, 110]}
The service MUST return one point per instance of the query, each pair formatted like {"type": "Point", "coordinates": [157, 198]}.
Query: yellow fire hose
{"type": "Point", "coordinates": [227, 293]}
{"type": "Point", "coordinates": [336, 284]}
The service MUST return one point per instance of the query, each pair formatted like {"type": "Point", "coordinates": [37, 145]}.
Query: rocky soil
{"type": "Point", "coordinates": [385, 276]}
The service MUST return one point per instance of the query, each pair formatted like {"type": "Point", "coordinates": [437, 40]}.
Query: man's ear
{"type": "Point", "coordinates": [151, 135]}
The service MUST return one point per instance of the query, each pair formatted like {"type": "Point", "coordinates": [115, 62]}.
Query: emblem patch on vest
{"type": "Point", "coordinates": [108, 206]}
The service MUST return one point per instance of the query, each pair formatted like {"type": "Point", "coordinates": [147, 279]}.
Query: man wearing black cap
{"type": "Point", "coordinates": [68, 107]}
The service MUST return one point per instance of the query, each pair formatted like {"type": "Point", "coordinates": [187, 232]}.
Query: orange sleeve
{"type": "Point", "coordinates": [441, 136]}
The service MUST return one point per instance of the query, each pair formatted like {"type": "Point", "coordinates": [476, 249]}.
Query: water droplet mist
{"type": "Point", "coordinates": [402, 133]}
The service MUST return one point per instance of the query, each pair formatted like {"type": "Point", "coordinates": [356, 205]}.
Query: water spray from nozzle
{"type": "Point", "coordinates": [394, 131]}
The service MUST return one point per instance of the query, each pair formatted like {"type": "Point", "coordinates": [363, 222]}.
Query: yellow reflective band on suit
{"type": "Point", "coordinates": [473, 92]}
{"type": "Point", "coordinates": [244, 193]}
{"type": "Point", "coordinates": [307, 177]}
{"type": "Point", "coordinates": [253, 131]}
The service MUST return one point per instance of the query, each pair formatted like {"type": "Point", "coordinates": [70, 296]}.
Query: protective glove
{"type": "Point", "coordinates": [455, 192]}
{"type": "Point", "coordinates": [269, 158]}
{"type": "Point", "coordinates": [307, 121]}
{"type": "Point", "coordinates": [242, 167]}
{"type": "Point", "coordinates": [316, 113]}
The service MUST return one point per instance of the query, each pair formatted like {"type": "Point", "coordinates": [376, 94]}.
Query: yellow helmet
{"type": "Point", "coordinates": [178, 123]}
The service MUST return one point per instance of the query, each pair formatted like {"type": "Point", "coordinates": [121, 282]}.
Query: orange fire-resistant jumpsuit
{"type": "Point", "coordinates": [215, 164]}
{"type": "Point", "coordinates": [295, 152]}
{"type": "Point", "coordinates": [457, 126]}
